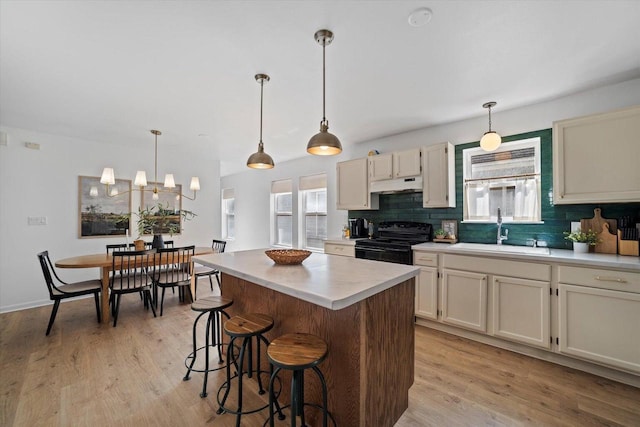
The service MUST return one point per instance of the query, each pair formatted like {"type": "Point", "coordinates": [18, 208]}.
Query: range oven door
{"type": "Point", "coordinates": [399, 256]}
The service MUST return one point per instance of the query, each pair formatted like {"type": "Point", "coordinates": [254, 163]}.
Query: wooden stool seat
{"type": "Point", "coordinates": [211, 303]}
{"type": "Point", "coordinates": [247, 325]}
{"type": "Point", "coordinates": [297, 351]}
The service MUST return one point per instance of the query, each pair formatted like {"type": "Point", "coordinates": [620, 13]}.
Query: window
{"type": "Point", "coordinates": [282, 213]}
{"type": "Point", "coordinates": [228, 214]}
{"type": "Point", "coordinates": [508, 178]}
{"type": "Point", "coordinates": [314, 211]}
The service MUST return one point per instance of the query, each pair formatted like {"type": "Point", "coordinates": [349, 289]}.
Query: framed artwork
{"type": "Point", "coordinates": [450, 227]}
{"type": "Point", "coordinates": [100, 214]}
{"type": "Point", "coordinates": [161, 216]}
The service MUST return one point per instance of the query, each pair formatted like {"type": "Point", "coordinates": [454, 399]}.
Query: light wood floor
{"type": "Point", "coordinates": [85, 374]}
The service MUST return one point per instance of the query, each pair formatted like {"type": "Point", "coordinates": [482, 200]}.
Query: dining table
{"type": "Point", "coordinates": [104, 261]}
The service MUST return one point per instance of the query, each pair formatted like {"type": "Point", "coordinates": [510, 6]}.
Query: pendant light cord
{"type": "Point", "coordinates": [324, 117]}
{"type": "Point", "coordinates": [155, 179]}
{"type": "Point", "coordinates": [489, 118]}
{"type": "Point", "coordinates": [261, 90]}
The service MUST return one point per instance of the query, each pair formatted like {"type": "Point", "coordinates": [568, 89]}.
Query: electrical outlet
{"type": "Point", "coordinates": [37, 220]}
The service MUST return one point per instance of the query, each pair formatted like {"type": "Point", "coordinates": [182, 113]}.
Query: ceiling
{"type": "Point", "coordinates": [109, 71]}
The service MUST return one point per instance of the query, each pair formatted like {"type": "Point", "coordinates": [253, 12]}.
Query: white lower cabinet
{"type": "Point", "coordinates": [464, 299]}
{"type": "Point", "coordinates": [427, 293]}
{"type": "Point", "coordinates": [340, 249]}
{"type": "Point", "coordinates": [521, 310]}
{"type": "Point", "coordinates": [601, 325]}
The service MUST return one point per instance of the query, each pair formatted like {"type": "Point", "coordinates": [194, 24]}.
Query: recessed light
{"type": "Point", "coordinates": [420, 17]}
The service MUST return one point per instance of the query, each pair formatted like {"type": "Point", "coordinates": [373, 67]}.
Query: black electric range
{"type": "Point", "coordinates": [393, 241]}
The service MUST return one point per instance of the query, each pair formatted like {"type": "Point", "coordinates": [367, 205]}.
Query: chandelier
{"type": "Point", "coordinates": [108, 178]}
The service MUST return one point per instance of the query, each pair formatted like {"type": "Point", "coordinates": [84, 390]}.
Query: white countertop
{"type": "Point", "coordinates": [564, 256]}
{"type": "Point", "coordinates": [330, 281]}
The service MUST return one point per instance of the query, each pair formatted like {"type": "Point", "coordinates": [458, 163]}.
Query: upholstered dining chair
{"type": "Point", "coordinates": [63, 290]}
{"type": "Point", "coordinates": [203, 271]}
{"type": "Point", "coordinates": [173, 269]}
{"type": "Point", "coordinates": [131, 272]}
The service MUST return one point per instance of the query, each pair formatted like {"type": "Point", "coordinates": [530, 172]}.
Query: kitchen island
{"type": "Point", "coordinates": [363, 309]}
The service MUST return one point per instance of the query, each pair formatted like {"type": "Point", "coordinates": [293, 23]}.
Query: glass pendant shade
{"type": "Point", "coordinates": [490, 141]}
{"type": "Point", "coordinates": [260, 159]}
{"type": "Point", "coordinates": [324, 143]}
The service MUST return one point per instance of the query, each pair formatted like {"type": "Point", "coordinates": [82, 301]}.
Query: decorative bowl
{"type": "Point", "coordinates": [288, 256]}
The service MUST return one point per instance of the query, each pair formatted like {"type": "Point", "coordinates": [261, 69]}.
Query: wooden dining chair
{"type": "Point", "coordinates": [111, 248]}
{"type": "Point", "coordinates": [173, 269]}
{"type": "Point", "coordinates": [203, 271]}
{"type": "Point", "coordinates": [62, 290]}
{"type": "Point", "coordinates": [131, 272]}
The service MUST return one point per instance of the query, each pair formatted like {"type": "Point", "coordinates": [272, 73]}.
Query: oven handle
{"type": "Point", "coordinates": [382, 250]}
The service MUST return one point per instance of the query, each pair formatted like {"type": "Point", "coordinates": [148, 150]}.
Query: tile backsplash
{"type": "Point", "coordinates": [556, 218]}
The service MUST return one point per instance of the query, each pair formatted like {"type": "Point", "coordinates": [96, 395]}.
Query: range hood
{"type": "Point", "coordinates": [409, 185]}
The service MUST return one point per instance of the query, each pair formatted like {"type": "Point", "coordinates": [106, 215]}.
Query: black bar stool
{"type": "Point", "coordinates": [298, 352]}
{"type": "Point", "coordinates": [245, 327]}
{"type": "Point", "coordinates": [213, 306]}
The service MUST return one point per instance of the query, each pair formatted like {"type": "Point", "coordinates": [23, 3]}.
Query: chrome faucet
{"type": "Point", "coordinates": [506, 232]}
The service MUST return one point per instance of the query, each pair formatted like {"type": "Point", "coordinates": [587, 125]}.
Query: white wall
{"type": "Point", "coordinates": [252, 187]}
{"type": "Point", "coordinates": [45, 183]}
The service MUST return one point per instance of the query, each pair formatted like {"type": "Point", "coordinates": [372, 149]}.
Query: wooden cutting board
{"type": "Point", "coordinates": [596, 223]}
{"type": "Point", "coordinates": [608, 243]}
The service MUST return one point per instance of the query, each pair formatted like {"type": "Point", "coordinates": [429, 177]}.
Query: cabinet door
{"type": "Point", "coordinates": [427, 293]}
{"type": "Point", "coordinates": [353, 185]}
{"type": "Point", "coordinates": [464, 299]}
{"type": "Point", "coordinates": [438, 176]}
{"type": "Point", "coordinates": [521, 310]}
{"type": "Point", "coordinates": [600, 325]}
{"type": "Point", "coordinates": [406, 163]}
{"type": "Point", "coordinates": [380, 167]}
{"type": "Point", "coordinates": [605, 142]}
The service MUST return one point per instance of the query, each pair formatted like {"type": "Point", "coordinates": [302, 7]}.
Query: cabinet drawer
{"type": "Point", "coordinates": [523, 270]}
{"type": "Point", "coordinates": [430, 259]}
{"type": "Point", "coordinates": [334, 249]}
{"type": "Point", "coordinates": [626, 281]}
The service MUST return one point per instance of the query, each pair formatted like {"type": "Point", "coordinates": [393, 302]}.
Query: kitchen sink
{"type": "Point", "coordinates": [482, 247]}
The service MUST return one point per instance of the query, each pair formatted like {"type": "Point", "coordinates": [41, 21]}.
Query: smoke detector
{"type": "Point", "coordinates": [420, 17]}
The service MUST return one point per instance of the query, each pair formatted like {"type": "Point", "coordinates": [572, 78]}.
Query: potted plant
{"type": "Point", "coordinates": [581, 240]}
{"type": "Point", "coordinates": [440, 234]}
{"type": "Point", "coordinates": [158, 220]}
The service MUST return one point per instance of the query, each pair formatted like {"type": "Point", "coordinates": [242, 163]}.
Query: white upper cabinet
{"type": "Point", "coordinates": [406, 163]}
{"type": "Point", "coordinates": [439, 176]}
{"type": "Point", "coordinates": [381, 167]}
{"type": "Point", "coordinates": [353, 185]}
{"type": "Point", "coordinates": [596, 158]}
{"type": "Point", "coordinates": [399, 164]}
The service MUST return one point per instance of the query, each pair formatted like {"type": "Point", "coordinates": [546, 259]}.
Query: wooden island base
{"type": "Point", "coordinates": [370, 365]}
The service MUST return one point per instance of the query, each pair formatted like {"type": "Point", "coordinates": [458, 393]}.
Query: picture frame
{"type": "Point", "coordinates": [450, 227]}
{"type": "Point", "coordinates": [165, 214]}
{"type": "Point", "coordinates": [101, 215]}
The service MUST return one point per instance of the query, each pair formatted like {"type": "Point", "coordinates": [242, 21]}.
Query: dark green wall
{"type": "Point", "coordinates": [408, 207]}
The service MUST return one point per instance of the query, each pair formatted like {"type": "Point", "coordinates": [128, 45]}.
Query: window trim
{"type": "Point", "coordinates": [535, 143]}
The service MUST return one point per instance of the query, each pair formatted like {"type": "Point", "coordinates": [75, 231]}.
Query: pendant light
{"type": "Point", "coordinates": [324, 143]}
{"type": "Point", "coordinates": [260, 159]}
{"type": "Point", "coordinates": [490, 140]}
